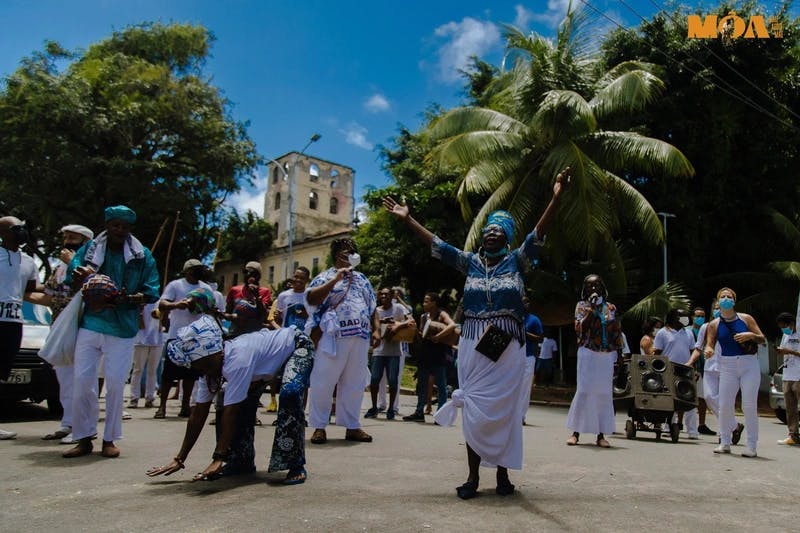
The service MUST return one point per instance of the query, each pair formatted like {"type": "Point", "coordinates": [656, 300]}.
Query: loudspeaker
{"type": "Point", "coordinates": [652, 381]}
{"type": "Point", "coordinates": [623, 392]}
{"type": "Point", "coordinates": [684, 387]}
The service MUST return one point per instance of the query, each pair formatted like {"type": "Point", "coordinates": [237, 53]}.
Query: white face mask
{"type": "Point", "coordinates": [684, 320]}
{"type": "Point", "coordinates": [354, 259]}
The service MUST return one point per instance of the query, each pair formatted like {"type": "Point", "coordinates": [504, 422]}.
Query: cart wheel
{"type": "Point", "coordinates": [674, 432]}
{"type": "Point", "coordinates": [630, 429]}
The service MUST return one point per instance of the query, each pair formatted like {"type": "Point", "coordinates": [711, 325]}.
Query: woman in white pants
{"type": "Point", "coordinates": [738, 336]}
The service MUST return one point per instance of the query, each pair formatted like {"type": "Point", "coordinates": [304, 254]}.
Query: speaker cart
{"type": "Point", "coordinates": [652, 389]}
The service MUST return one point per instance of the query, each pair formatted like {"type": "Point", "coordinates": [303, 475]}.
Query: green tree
{"type": "Point", "coordinates": [245, 238]}
{"type": "Point", "coordinates": [130, 120]}
{"type": "Point", "coordinates": [560, 107]}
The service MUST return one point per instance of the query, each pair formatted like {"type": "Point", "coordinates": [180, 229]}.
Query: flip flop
{"type": "Point", "coordinates": [60, 434]}
{"type": "Point", "coordinates": [294, 473]}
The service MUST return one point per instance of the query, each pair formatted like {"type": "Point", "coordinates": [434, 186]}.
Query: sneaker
{"type": "Point", "coordinates": [381, 408]}
{"type": "Point", "coordinates": [133, 404]}
{"type": "Point", "coordinates": [737, 434]}
{"type": "Point", "coordinates": [749, 452]}
{"type": "Point", "coordinates": [68, 439]}
{"type": "Point", "coordinates": [390, 414]}
{"type": "Point", "coordinates": [694, 437]}
{"type": "Point", "coordinates": [7, 435]}
{"type": "Point", "coordinates": [149, 404]}
{"type": "Point", "coordinates": [372, 412]}
{"type": "Point", "coordinates": [126, 415]}
{"type": "Point", "coordinates": [705, 430]}
{"type": "Point", "coordinates": [722, 448]}
{"type": "Point", "coordinates": [415, 417]}
{"type": "Point", "coordinates": [788, 441]}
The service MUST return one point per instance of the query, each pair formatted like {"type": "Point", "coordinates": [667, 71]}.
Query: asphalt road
{"type": "Point", "coordinates": [403, 481]}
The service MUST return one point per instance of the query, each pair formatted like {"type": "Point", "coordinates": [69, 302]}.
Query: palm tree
{"type": "Point", "coordinates": [544, 114]}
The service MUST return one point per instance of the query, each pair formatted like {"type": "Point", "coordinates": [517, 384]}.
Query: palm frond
{"type": "Point", "coordinates": [468, 119]}
{"type": "Point", "coordinates": [628, 93]}
{"type": "Point", "coordinates": [632, 205]}
{"type": "Point", "coordinates": [787, 269]}
{"type": "Point", "coordinates": [785, 227]}
{"type": "Point", "coordinates": [563, 115]}
{"type": "Point", "coordinates": [659, 302]}
{"type": "Point", "coordinates": [623, 152]}
{"type": "Point", "coordinates": [468, 149]}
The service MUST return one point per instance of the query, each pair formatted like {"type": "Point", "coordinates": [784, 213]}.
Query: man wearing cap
{"type": "Point", "coordinates": [247, 304]}
{"type": "Point", "coordinates": [174, 301]}
{"type": "Point", "coordinates": [57, 295]}
{"type": "Point", "coordinates": [17, 280]}
{"type": "Point", "coordinates": [108, 330]}
{"type": "Point", "coordinates": [244, 364]}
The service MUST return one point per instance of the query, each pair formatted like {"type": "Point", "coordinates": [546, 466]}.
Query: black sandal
{"type": "Point", "coordinates": [468, 490]}
{"type": "Point", "coordinates": [506, 489]}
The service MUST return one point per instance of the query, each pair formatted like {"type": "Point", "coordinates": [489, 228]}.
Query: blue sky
{"type": "Point", "coordinates": [351, 71]}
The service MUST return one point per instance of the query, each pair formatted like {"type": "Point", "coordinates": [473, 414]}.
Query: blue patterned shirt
{"type": "Point", "coordinates": [354, 305]}
{"type": "Point", "coordinates": [494, 294]}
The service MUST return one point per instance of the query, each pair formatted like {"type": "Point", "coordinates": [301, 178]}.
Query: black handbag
{"type": "Point", "coordinates": [493, 342]}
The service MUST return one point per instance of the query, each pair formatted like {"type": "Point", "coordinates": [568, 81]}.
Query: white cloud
{"type": "Point", "coordinates": [523, 17]}
{"type": "Point", "coordinates": [250, 199]}
{"type": "Point", "coordinates": [470, 37]}
{"type": "Point", "coordinates": [356, 134]}
{"type": "Point", "coordinates": [377, 103]}
{"type": "Point", "coordinates": [556, 9]}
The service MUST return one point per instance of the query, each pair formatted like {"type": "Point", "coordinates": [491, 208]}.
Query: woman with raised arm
{"type": "Point", "coordinates": [491, 350]}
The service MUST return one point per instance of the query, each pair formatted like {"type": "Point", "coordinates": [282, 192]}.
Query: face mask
{"type": "Point", "coordinates": [684, 320]}
{"type": "Point", "coordinates": [354, 259]}
{"type": "Point", "coordinates": [20, 234]}
{"type": "Point", "coordinates": [715, 313]}
{"type": "Point", "coordinates": [699, 320]}
{"type": "Point", "coordinates": [726, 304]}
{"type": "Point", "coordinates": [786, 331]}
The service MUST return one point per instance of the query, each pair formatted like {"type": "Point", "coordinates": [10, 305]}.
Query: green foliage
{"type": "Point", "coordinates": [131, 120]}
{"type": "Point", "coordinates": [245, 238]}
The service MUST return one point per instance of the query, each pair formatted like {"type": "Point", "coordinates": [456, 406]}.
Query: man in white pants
{"type": "Point", "coordinates": [57, 296]}
{"type": "Point", "coordinates": [147, 346]}
{"type": "Point", "coordinates": [108, 327]}
{"type": "Point", "coordinates": [341, 303]}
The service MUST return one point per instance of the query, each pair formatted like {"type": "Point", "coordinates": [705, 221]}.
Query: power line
{"type": "Point", "coordinates": [742, 98]}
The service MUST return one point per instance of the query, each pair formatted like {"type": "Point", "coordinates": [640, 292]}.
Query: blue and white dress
{"type": "Point", "coordinates": [489, 391]}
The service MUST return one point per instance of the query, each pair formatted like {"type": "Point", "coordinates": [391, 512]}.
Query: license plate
{"type": "Point", "coordinates": [18, 377]}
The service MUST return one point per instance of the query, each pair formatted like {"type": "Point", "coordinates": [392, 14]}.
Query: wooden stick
{"type": "Point", "coordinates": [158, 236]}
{"type": "Point", "coordinates": [169, 249]}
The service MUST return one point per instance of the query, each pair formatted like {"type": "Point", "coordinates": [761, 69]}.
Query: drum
{"type": "Point", "coordinates": [432, 328]}
{"type": "Point", "coordinates": [404, 334]}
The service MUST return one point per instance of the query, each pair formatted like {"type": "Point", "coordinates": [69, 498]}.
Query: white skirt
{"type": "Point", "coordinates": [592, 408]}
{"type": "Point", "coordinates": [489, 396]}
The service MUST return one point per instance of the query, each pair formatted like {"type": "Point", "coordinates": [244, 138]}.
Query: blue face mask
{"type": "Point", "coordinates": [715, 313]}
{"type": "Point", "coordinates": [699, 320]}
{"type": "Point", "coordinates": [725, 303]}
{"type": "Point", "coordinates": [786, 331]}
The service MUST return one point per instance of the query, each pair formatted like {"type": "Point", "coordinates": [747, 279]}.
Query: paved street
{"type": "Point", "coordinates": [403, 481]}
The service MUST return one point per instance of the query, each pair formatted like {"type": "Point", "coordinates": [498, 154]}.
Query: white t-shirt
{"type": "Point", "coordinates": [151, 334]}
{"type": "Point", "coordinates": [250, 357]}
{"type": "Point", "coordinates": [792, 370]}
{"type": "Point", "coordinates": [675, 344]}
{"type": "Point", "coordinates": [547, 348]}
{"type": "Point", "coordinates": [176, 291]}
{"type": "Point", "coordinates": [292, 306]}
{"type": "Point", "coordinates": [712, 363]}
{"type": "Point", "coordinates": [16, 269]}
{"type": "Point", "coordinates": [397, 313]}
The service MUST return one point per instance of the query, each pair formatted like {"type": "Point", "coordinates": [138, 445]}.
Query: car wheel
{"type": "Point", "coordinates": [781, 415]}
{"type": "Point", "coordinates": [54, 406]}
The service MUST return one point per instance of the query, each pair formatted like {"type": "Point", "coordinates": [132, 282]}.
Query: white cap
{"type": "Point", "coordinates": [80, 230]}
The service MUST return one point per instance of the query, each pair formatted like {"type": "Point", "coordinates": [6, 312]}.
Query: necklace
{"type": "Point", "coordinates": [489, 303]}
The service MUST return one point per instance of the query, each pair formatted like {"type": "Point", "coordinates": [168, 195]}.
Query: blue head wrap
{"type": "Point", "coordinates": [201, 338]}
{"type": "Point", "coordinates": [505, 221]}
{"type": "Point", "coordinates": [120, 212]}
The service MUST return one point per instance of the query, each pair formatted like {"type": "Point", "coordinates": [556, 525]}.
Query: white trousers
{"type": "Point", "coordinates": [347, 369]}
{"type": "Point", "coordinates": [525, 390]}
{"type": "Point", "coordinates": [89, 348]}
{"type": "Point", "coordinates": [65, 376]}
{"type": "Point", "coordinates": [735, 373]}
{"type": "Point", "coordinates": [691, 422]}
{"type": "Point", "coordinates": [711, 391]}
{"type": "Point", "coordinates": [145, 357]}
{"type": "Point", "coordinates": [382, 400]}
